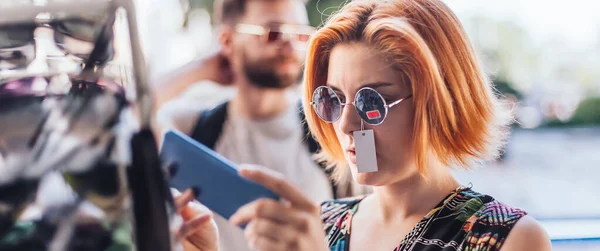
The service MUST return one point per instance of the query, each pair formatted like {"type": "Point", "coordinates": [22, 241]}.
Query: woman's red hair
{"type": "Point", "coordinates": [457, 116]}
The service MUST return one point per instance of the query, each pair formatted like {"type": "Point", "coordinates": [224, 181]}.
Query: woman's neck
{"type": "Point", "coordinates": [414, 196]}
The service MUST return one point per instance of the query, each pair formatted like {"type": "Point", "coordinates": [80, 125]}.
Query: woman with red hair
{"type": "Point", "coordinates": [395, 95]}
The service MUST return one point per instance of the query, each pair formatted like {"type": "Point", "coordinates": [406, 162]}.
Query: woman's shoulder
{"type": "Point", "coordinates": [491, 212]}
{"type": "Point", "coordinates": [497, 213]}
{"type": "Point", "coordinates": [490, 221]}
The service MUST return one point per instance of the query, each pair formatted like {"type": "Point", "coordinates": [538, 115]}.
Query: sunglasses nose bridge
{"type": "Point", "coordinates": [286, 36]}
{"type": "Point", "coordinates": [350, 121]}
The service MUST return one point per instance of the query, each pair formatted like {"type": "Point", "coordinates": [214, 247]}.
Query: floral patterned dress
{"type": "Point", "coordinates": [464, 220]}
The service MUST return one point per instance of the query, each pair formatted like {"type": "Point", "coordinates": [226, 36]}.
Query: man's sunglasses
{"type": "Point", "coordinates": [369, 104]}
{"type": "Point", "coordinates": [283, 32]}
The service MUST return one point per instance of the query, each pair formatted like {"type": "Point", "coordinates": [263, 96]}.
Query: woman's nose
{"type": "Point", "coordinates": [349, 120]}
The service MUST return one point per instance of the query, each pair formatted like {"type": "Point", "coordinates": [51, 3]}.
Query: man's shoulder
{"type": "Point", "coordinates": [180, 114]}
{"type": "Point", "coordinates": [201, 96]}
{"type": "Point", "coordinates": [179, 106]}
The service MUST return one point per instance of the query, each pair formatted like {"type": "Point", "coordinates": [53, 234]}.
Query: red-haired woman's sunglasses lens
{"type": "Point", "coordinates": [326, 104]}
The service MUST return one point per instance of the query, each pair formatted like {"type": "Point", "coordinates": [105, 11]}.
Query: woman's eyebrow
{"type": "Point", "coordinates": [373, 85]}
{"type": "Point", "coordinates": [333, 87]}
{"type": "Point", "coordinates": [376, 85]}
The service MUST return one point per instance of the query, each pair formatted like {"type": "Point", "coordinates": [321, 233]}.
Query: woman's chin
{"type": "Point", "coordinates": [367, 179]}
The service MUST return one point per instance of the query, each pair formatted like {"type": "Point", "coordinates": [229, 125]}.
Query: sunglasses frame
{"type": "Point", "coordinates": [353, 103]}
{"type": "Point", "coordinates": [287, 30]}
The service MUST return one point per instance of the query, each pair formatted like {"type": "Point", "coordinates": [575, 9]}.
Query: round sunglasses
{"type": "Point", "coordinates": [369, 104]}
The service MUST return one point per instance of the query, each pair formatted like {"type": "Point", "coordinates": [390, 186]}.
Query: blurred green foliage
{"type": "Point", "coordinates": [318, 10]}
{"type": "Point", "coordinates": [505, 88]}
{"type": "Point", "coordinates": [586, 114]}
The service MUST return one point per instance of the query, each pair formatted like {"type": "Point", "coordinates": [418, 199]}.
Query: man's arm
{"type": "Point", "coordinates": [214, 68]}
{"type": "Point", "coordinates": [165, 88]}
{"type": "Point", "coordinates": [174, 83]}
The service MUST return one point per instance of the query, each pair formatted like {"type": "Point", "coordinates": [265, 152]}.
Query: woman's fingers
{"type": "Point", "coordinates": [263, 243]}
{"type": "Point", "coordinates": [280, 186]}
{"type": "Point", "coordinates": [271, 230]}
{"type": "Point", "coordinates": [198, 230]}
{"type": "Point", "coordinates": [190, 227]}
{"type": "Point", "coordinates": [182, 199]}
{"type": "Point", "coordinates": [269, 209]}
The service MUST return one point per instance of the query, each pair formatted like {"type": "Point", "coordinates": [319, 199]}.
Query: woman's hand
{"type": "Point", "coordinates": [274, 225]}
{"type": "Point", "coordinates": [199, 231]}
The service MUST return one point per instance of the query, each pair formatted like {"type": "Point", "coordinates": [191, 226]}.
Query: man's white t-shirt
{"type": "Point", "coordinates": [276, 143]}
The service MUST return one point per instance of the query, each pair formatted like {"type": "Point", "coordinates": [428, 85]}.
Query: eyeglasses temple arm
{"type": "Point", "coordinates": [398, 101]}
{"type": "Point", "coordinates": [251, 29]}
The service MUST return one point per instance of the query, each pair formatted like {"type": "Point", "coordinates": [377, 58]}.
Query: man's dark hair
{"type": "Point", "coordinates": [230, 11]}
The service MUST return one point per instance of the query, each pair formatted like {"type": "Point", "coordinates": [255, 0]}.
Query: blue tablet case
{"type": "Point", "coordinates": [223, 190]}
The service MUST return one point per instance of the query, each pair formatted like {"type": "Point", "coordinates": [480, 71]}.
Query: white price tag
{"type": "Point", "coordinates": [366, 157]}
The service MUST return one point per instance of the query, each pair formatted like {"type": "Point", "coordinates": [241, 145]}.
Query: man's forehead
{"type": "Point", "coordinates": [274, 12]}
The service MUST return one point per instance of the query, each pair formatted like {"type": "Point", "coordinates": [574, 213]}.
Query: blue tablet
{"type": "Point", "coordinates": [223, 190]}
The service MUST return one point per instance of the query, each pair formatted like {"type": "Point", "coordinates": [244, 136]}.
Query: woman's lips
{"type": "Point", "coordinates": [351, 152]}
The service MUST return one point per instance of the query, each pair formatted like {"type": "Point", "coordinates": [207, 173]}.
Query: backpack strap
{"type": "Point", "coordinates": [314, 147]}
{"type": "Point", "coordinates": [210, 125]}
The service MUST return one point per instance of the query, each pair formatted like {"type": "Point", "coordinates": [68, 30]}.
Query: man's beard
{"type": "Point", "coordinates": [262, 73]}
